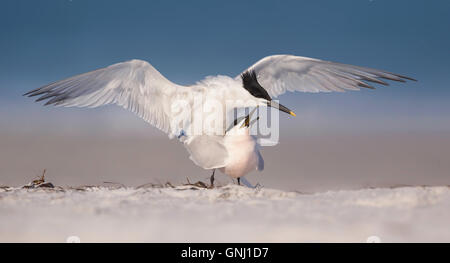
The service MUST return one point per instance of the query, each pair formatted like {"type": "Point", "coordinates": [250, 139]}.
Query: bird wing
{"type": "Point", "coordinates": [281, 73]}
{"type": "Point", "coordinates": [207, 151]}
{"type": "Point", "coordinates": [134, 85]}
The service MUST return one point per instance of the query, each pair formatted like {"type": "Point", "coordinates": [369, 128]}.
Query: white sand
{"type": "Point", "coordinates": [227, 214]}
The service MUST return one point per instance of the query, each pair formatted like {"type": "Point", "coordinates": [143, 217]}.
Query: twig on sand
{"type": "Point", "coordinates": [149, 185]}
{"type": "Point", "coordinates": [169, 184]}
{"type": "Point", "coordinates": [40, 179]}
{"type": "Point", "coordinates": [157, 185]}
{"type": "Point", "coordinates": [39, 182]}
{"type": "Point", "coordinates": [198, 184]}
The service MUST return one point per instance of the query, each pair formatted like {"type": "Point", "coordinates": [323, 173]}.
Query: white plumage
{"type": "Point", "coordinates": [182, 111]}
{"type": "Point", "coordinates": [281, 73]}
{"type": "Point", "coordinates": [243, 152]}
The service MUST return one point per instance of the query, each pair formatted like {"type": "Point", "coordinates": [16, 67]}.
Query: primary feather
{"type": "Point", "coordinates": [281, 73]}
{"type": "Point", "coordinates": [134, 85]}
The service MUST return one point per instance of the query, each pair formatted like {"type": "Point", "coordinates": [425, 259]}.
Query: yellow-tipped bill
{"type": "Point", "coordinates": [280, 107]}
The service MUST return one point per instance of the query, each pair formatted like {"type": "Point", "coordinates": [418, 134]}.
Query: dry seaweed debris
{"type": "Point", "coordinates": [5, 188]}
{"type": "Point", "coordinates": [194, 186]}
{"type": "Point", "coordinates": [198, 184]}
{"type": "Point", "coordinates": [155, 185]}
{"type": "Point", "coordinates": [39, 182]}
{"type": "Point", "coordinates": [115, 185]}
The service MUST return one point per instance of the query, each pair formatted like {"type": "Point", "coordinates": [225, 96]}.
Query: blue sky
{"type": "Point", "coordinates": [43, 41]}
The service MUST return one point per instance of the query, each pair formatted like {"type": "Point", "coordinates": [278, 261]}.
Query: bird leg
{"type": "Point", "coordinates": [239, 180]}
{"type": "Point", "coordinates": [212, 179]}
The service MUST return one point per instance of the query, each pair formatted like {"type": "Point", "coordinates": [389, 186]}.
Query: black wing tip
{"type": "Point", "coordinates": [34, 92]}
{"type": "Point", "coordinates": [408, 78]}
{"type": "Point", "coordinates": [30, 93]}
{"type": "Point", "coordinates": [41, 98]}
{"type": "Point", "coordinates": [366, 86]}
{"type": "Point", "coordinates": [48, 103]}
{"type": "Point", "coordinates": [44, 96]}
{"type": "Point", "coordinates": [393, 77]}
{"type": "Point", "coordinates": [401, 78]}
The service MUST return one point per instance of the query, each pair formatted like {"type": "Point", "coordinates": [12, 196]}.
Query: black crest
{"type": "Point", "coordinates": [251, 84]}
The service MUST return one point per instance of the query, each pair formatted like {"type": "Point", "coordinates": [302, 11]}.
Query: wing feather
{"type": "Point", "coordinates": [134, 85]}
{"type": "Point", "coordinates": [207, 151]}
{"type": "Point", "coordinates": [281, 73]}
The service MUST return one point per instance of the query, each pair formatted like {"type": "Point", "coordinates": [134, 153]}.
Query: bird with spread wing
{"type": "Point", "coordinates": [182, 111]}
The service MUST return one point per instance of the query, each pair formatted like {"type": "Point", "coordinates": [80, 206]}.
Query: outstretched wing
{"type": "Point", "coordinates": [134, 85]}
{"type": "Point", "coordinates": [281, 73]}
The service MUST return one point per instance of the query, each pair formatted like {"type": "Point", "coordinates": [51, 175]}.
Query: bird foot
{"type": "Point", "coordinates": [247, 183]}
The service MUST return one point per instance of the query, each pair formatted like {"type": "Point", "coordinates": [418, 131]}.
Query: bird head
{"type": "Point", "coordinates": [251, 84]}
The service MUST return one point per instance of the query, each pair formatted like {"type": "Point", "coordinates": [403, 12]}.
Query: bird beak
{"type": "Point", "coordinates": [280, 107]}
{"type": "Point", "coordinates": [246, 122]}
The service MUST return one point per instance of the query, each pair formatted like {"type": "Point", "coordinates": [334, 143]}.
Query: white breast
{"type": "Point", "coordinates": [243, 155]}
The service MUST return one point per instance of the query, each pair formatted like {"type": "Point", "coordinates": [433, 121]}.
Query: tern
{"type": "Point", "coordinates": [177, 110]}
